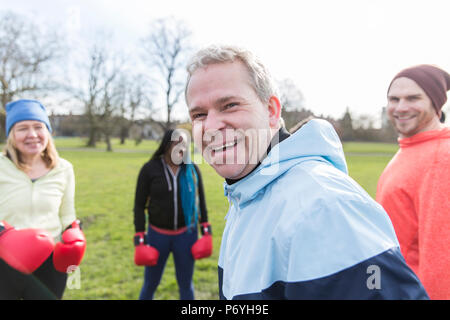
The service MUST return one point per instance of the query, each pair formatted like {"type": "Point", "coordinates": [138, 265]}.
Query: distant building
{"type": "Point", "coordinates": [68, 125]}
{"type": "Point", "coordinates": [73, 125]}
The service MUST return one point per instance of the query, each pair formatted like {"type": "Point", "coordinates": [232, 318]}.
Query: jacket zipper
{"type": "Point", "coordinates": [233, 224]}
{"type": "Point", "coordinates": [175, 201]}
{"type": "Point", "coordinates": [175, 191]}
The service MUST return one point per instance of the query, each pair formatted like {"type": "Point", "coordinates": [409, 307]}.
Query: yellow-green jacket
{"type": "Point", "coordinates": [47, 203]}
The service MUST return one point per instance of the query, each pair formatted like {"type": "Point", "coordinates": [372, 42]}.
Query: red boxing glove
{"type": "Point", "coordinates": [203, 247]}
{"type": "Point", "coordinates": [70, 251]}
{"type": "Point", "coordinates": [144, 254]}
{"type": "Point", "coordinates": [25, 250]}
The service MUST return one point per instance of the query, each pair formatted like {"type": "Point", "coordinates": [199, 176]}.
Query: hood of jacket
{"type": "Point", "coordinates": [317, 140]}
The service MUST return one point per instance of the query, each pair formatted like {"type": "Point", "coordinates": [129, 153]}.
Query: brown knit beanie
{"type": "Point", "coordinates": [433, 80]}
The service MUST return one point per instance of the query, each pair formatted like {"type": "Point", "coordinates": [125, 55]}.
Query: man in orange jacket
{"type": "Point", "coordinates": [414, 188]}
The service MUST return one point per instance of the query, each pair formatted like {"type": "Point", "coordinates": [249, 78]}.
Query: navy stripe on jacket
{"type": "Point", "coordinates": [385, 276]}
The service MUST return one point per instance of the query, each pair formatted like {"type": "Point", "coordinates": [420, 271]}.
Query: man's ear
{"type": "Point", "coordinates": [274, 107]}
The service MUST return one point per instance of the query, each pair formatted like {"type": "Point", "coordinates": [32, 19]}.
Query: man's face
{"type": "Point", "coordinates": [230, 124]}
{"type": "Point", "coordinates": [410, 109]}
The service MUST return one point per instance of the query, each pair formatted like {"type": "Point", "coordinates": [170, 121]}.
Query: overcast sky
{"type": "Point", "coordinates": [339, 53]}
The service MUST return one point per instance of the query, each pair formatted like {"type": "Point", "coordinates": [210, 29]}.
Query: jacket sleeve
{"type": "Point", "coordinates": [201, 194]}
{"type": "Point", "coordinates": [346, 249]}
{"type": "Point", "coordinates": [433, 206]}
{"type": "Point", "coordinates": [67, 208]}
{"type": "Point", "coordinates": [383, 277]}
{"type": "Point", "coordinates": [141, 198]}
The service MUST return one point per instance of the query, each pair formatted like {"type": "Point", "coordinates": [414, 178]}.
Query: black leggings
{"type": "Point", "coordinates": [44, 284]}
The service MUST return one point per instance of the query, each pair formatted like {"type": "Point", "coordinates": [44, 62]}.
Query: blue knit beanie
{"type": "Point", "coordinates": [21, 110]}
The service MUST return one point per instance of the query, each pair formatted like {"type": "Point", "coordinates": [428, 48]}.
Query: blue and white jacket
{"type": "Point", "coordinates": [299, 227]}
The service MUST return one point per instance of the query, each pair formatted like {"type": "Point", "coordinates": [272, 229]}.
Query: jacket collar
{"type": "Point", "coordinates": [316, 140]}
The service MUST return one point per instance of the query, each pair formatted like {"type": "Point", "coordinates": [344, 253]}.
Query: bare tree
{"type": "Point", "coordinates": [346, 126]}
{"type": "Point", "coordinates": [107, 107]}
{"type": "Point", "coordinates": [292, 102]}
{"type": "Point", "coordinates": [166, 50]}
{"type": "Point", "coordinates": [291, 97]}
{"type": "Point", "coordinates": [363, 121]}
{"type": "Point", "coordinates": [98, 97]}
{"type": "Point", "coordinates": [26, 53]}
{"type": "Point", "coordinates": [133, 93]}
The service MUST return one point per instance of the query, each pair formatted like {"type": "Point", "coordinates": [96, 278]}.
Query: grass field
{"type": "Point", "coordinates": [105, 186]}
{"type": "Point", "coordinates": [366, 162]}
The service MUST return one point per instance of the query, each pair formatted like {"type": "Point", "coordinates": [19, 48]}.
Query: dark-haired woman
{"type": "Point", "coordinates": [170, 188]}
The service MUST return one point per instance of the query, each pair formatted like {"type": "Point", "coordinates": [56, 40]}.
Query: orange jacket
{"type": "Point", "coordinates": [414, 189]}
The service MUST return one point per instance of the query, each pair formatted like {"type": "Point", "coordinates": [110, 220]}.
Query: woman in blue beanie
{"type": "Point", "coordinates": [36, 206]}
{"type": "Point", "coordinates": [170, 189]}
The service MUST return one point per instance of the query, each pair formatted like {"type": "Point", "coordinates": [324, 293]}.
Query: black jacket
{"type": "Point", "coordinates": [155, 191]}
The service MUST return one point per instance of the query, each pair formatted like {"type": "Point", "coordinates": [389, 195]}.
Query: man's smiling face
{"type": "Point", "coordinates": [231, 125]}
{"type": "Point", "coordinates": [409, 108]}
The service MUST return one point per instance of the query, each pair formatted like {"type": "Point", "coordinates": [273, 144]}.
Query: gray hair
{"type": "Point", "coordinates": [261, 80]}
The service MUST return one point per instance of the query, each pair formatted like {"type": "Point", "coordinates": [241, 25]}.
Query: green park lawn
{"type": "Point", "coordinates": [105, 186]}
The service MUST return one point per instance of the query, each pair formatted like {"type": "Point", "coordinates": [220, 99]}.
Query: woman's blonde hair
{"type": "Point", "coordinates": [49, 155]}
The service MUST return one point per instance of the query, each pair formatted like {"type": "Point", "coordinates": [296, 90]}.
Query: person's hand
{"type": "Point", "coordinates": [24, 250]}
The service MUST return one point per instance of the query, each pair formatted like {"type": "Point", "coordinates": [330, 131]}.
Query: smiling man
{"type": "Point", "coordinates": [414, 188]}
{"type": "Point", "coordinates": [298, 227]}
{"type": "Point", "coordinates": [231, 124]}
